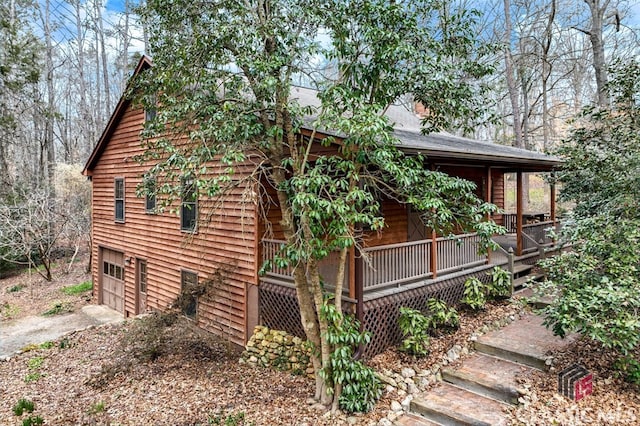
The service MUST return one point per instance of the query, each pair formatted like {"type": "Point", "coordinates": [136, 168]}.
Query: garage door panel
{"type": "Point", "coordinates": [112, 279]}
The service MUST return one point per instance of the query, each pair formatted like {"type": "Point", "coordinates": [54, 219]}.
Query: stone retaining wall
{"type": "Point", "coordinates": [278, 350]}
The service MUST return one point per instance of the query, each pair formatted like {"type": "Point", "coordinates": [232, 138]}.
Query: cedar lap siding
{"type": "Point", "coordinates": [227, 243]}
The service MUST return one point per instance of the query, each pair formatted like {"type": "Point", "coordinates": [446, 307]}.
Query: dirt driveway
{"type": "Point", "coordinates": [19, 333]}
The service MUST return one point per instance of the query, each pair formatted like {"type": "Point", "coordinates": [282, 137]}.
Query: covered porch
{"type": "Point", "coordinates": [406, 264]}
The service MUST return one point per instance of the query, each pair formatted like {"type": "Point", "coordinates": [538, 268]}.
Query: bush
{"type": "Point", "coordinates": [415, 330]}
{"type": "Point", "coordinates": [23, 405]}
{"type": "Point", "coordinates": [500, 285]}
{"type": "Point", "coordinates": [475, 294]}
{"type": "Point", "coordinates": [441, 316]}
{"type": "Point", "coordinates": [597, 285]}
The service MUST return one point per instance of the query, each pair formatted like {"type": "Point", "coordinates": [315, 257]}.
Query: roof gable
{"type": "Point", "coordinates": [143, 64]}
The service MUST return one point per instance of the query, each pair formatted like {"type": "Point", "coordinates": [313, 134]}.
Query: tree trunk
{"type": "Point", "coordinates": [509, 75]}
{"type": "Point", "coordinates": [597, 44]}
{"type": "Point", "coordinates": [546, 74]}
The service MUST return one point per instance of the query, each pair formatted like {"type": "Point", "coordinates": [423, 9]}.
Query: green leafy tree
{"type": "Point", "coordinates": [222, 84]}
{"type": "Point", "coordinates": [599, 280]}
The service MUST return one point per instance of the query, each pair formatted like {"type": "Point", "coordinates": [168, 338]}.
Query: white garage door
{"type": "Point", "coordinates": [113, 279]}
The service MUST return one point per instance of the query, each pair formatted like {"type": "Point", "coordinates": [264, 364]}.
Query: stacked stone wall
{"type": "Point", "coordinates": [278, 350]}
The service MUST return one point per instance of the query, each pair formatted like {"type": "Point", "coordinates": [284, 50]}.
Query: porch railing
{"type": "Point", "coordinates": [458, 252]}
{"type": "Point", "coordinates": [326, 267]}
{"type": "Point", "coordinates": [395, 264]}
{"type": "Point", "coordinates": [536, 235]}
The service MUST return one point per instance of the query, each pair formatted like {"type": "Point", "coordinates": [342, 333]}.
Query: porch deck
{"type": "Point", "coordinates": [393, 268]}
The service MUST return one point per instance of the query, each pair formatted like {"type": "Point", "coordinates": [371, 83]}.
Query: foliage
{"type": "Point", "coordinates": [16, 288]}
{"type": "Point", "coordinates": [8, 310]}
{"type": "Point", "coordinates": [500, 284]}
{"type": "Point", "coordinates": [361, 387]}
{"type": "Point", "coordinates": [33, 421]}
{"type": "Point", "coordinates": [23, 405]}
{"type": "Point", "coordinates": [223, 77]}
{"type": "Point", "coordinates": [58, 308]}
{"type": "Point", "coordinates": [629, 368]}
{"type": "Point", "coordinates": [96, 407]}
{"type": "Point", "coordinates": [46, 345]}
{"type": "Point", "coordinates": [415, 328]}
{"type": "Point", "coordinates": [35, 362]}
{"type": "Point", "coordinates": [233, 419]}
{"type": "Point", "coordinates": [78, 288]}
{"type": "Point", "coordinates": [475, 293]}
{"type": "Point", "coordinates": [441, 316]}
{"type": "Point", "coordinates": [598, 281]}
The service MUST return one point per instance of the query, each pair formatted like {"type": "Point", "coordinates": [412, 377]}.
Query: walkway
{"type": "Point", "coordinates": [15, 335]}
{"type": "Point", "coordinates": [479, 391]}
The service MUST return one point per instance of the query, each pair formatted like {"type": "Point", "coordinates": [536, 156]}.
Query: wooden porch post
{"type": "Point", "coordinates": [352, 273]}
{"type": "Point", "coordinates": [488, 199]}
{"type": "Point", "coordinates": [519, 214]}
{"type": "Point", "coordinates": [553, 202]}
{"type": "Point", "coordinates": [434, 254]}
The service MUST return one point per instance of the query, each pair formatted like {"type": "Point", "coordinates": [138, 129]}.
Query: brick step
{"type": "Point", "coordinates": [525, 341]}
{"type": "Point", "coordinates": [409, 419]}
{"type": "Point", "coordinates": [488, 376]}
{"type": "Point", "coordinates": [453, 406]}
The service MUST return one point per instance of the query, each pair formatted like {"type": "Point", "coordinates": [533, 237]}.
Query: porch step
{"type": "Point", "coordinates": [525, 341]}
{"type": "Point", "coordinates": [536, 301]}
{"type": "Point", "coordinates": [520, 282]}
{"type": "Point", "coordinates": [521, 269]}
{"type": "Point", "coordinates": [408, 419]}
{"type": "Point", "coordinates": [488, 376]}
{"type": "Point", "coordinates": [447, 404]}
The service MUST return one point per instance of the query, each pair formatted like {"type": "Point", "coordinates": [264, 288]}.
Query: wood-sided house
{"type": "Point", "coordinates": [143, 259]}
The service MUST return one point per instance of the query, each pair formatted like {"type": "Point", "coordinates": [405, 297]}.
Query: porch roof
{"type": "Point", "coordinates": [442, 147]}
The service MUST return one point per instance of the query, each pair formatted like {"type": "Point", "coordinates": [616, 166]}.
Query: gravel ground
{"type": "Point", "coordinates": [152, 371]}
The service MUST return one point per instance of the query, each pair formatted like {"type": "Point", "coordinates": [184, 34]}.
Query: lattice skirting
{"type": "Point", "coordinates": [279, 309]}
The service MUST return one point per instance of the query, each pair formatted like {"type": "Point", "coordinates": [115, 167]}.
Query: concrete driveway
{"type": "Point", "coordinates": [15, 335]}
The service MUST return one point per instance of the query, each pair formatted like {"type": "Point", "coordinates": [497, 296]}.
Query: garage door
{"type": "Point", "coordinates": [113, 279]}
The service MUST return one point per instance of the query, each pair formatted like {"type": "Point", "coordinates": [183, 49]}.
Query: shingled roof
{"type": "Point", "coordinates": [442, 146]}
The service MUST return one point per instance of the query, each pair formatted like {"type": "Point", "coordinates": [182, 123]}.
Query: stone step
{"type": "Point", "coordinates": [525, 341]}
{"type": "Point", "coordinates": [450, 405]}
{"type": "Point", "coordinates": [489, 376]}
{"type": "Point", "coordinates": [519, 283]}
{"type": "Point", "coordinates": [538, 302]}
{"type": "Point", "coordinates": [409, 419]}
